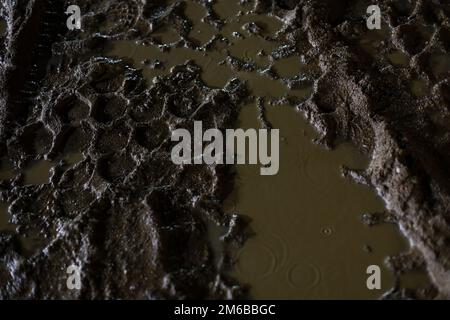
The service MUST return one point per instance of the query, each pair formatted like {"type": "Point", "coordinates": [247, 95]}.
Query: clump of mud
{"type": "Point", "coordinates": [116, 205]}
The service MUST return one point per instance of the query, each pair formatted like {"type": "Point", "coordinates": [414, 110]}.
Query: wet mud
{"type": "Point", "coordinates": [86, 177]}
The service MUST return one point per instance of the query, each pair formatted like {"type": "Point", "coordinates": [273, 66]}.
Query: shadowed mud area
{"type": "Point", "coordinates": [86, 176]}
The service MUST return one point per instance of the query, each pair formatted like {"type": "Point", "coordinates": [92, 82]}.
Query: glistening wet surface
{"type": "Point", "coordinates": [236, 52]}
{"type": "Point", "coordinates": [309, 240]}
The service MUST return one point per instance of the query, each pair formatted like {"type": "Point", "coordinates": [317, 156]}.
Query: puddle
{"type": "Point", "coordinates": [419, 88]}
{"type": "Point", "coordinates": [215, 72]}
{"type": "Point", "coordinates": [73, 158]}
{"type": "Point", "coordinates": [289, 67]}
{"type": "Point", "coordinates": [253, 50]}
{"type": "Point", "coordinates": [251, 25]}
{"type": "Point", "coordinates": [6, 170]}
{"type": "Point", "coordinates": [4, 219]}
{"type": "Point", "coordinates": [310, 242]}
{"type": "Point", "coordinates": [166, 35]}
{"type": "Point", "coordinates": [227, 9]}
{"type": "Point", "coordinates": [208, 61]}
{"type": "Point", "coordinates": [398, 58]}
{"type": "Point", "coordinates": [38, 173]}
{"type": "Point", "coordinates": [201, 32]}
{"type": "Point", "coordinates": [224, 61]}
{"type": "Point", "coordinates": [440, 64]}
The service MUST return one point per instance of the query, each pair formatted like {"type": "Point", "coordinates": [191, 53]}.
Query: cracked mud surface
{"type": "Point", "coordinates": [112, 200]}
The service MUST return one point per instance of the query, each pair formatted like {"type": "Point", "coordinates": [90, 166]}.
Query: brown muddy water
{"type": "Point", "coordinates": [308, 240]}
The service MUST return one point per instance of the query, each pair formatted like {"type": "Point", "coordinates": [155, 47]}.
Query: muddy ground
{"type": "Point", "coordinates": [115, 204]}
